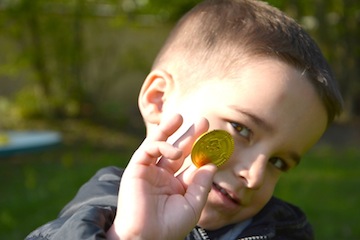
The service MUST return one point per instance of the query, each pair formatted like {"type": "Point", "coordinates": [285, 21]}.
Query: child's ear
{"type": "Point", "coordinates": [153, 95]}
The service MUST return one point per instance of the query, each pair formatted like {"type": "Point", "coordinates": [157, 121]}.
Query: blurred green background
{"type": "Point", "coordinates": [76, 66]}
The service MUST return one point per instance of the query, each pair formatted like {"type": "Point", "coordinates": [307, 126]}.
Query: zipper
{"type": "Point", "coordinates": [254, 238]}
{"type": "Point", "coordinates": [205, 236]}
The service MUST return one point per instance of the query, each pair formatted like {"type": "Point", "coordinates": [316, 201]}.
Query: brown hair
{"type": "Point", "coordinates": [231, 30]}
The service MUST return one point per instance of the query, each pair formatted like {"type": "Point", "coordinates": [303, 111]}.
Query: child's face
{"type": "Point", "coordinates": [274, 117]}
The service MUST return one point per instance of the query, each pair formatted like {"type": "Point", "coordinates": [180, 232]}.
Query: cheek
{"type": "Point", "coordinates": [190, 110]}
{"type": "Point", "coordinates": [258, 198]}
{"type": "Point", "coordinates": [262, 196]}
{"type": "Point", "coordinates": [199, 102]}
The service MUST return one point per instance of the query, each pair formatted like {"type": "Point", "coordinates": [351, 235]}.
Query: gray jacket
{"type": "Point", "coordinates": [91, 213]}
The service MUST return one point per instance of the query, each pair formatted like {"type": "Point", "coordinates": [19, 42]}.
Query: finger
{"type": "Point", "coordinates": [166, 128]}
{"type": "Point", "coordinates": [186, 175]}
{"type": "Point", "coordinates": [150, 153]}
{"type": "Point", "coordinates": [151, 149]}
{"type": "Point", "coordinates": [199, 188]}
{"type": "Point", "coordinates": [185, 143]}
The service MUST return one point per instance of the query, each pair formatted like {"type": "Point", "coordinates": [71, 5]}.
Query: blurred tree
{"type": "Point", "coordinates": [55, 41]}
{"type": "Point", "coordinates": [334, 25]}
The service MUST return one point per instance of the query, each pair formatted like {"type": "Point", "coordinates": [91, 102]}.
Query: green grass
{"type": "Point", "coordinates": [34, 187]}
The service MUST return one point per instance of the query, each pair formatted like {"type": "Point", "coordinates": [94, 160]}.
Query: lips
{"type": "Point", "coordinates": [229, 195]}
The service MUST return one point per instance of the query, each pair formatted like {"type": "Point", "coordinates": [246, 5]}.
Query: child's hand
{"type": "Point", "coordinates": [153, 204]}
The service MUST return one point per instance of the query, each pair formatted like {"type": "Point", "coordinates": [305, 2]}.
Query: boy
{"type": "Point", "coordinates": [237, 65]}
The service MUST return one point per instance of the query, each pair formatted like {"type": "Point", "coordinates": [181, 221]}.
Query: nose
{"type": "Point", "coordinates": [252, 169]}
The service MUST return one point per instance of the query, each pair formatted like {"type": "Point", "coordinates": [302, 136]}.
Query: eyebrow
{"type": "Point", "coordinates": [295, 157]}
{"type": "Point", "coordinates": [258, 120]}
{"type": "Point", "coordinates": [265, 125]}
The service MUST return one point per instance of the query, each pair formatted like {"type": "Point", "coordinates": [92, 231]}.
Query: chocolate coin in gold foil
{"type": "Point", "coordinates": [215, 146]}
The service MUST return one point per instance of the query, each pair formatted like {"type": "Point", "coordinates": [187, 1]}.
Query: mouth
{"type": "Point", "coordinates": [229, 195]}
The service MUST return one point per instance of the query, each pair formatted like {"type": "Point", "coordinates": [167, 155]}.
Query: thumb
{"type": "Point", "coordinates": [199, 188]}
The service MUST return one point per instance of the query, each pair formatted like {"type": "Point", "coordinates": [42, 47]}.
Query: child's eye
{"type": "Point", "coordinates": [279, 164]}
{"type": "Point", "coordinates": [242, 130]}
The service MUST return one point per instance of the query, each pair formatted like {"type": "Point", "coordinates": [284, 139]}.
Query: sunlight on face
{"type": "Point", "coordinates": [274, 115]}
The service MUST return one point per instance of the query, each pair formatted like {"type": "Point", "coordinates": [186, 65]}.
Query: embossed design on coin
{"type": "Point", "coordinates": [215, 146]}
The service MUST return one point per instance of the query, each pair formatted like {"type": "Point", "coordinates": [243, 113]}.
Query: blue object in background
{"type": "Point", "coordinates": [15, 142]}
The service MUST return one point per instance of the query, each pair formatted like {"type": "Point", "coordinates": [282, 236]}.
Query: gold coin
{"type": "Point", "coordinates": [215, 146]}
